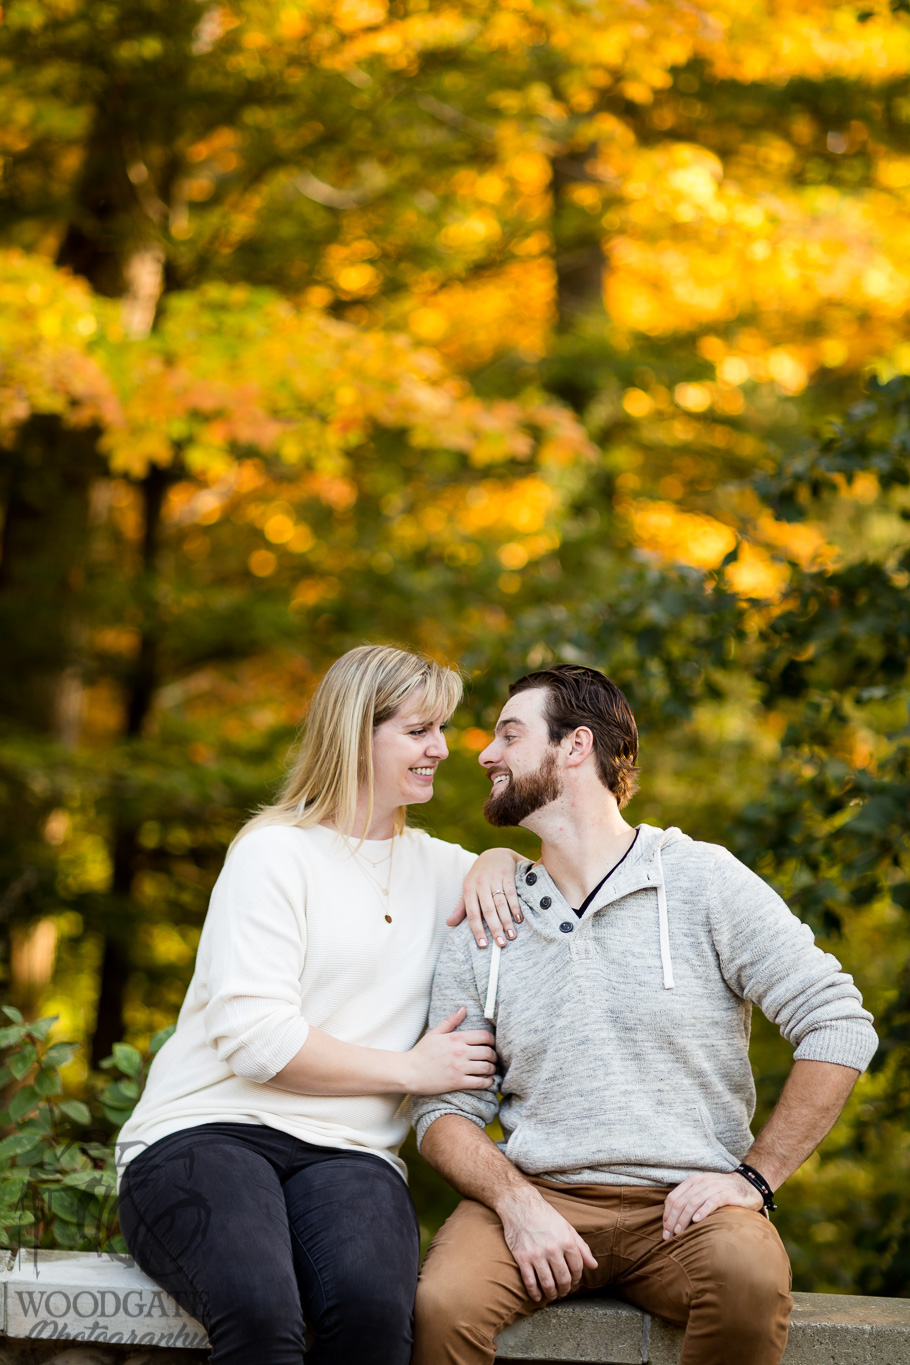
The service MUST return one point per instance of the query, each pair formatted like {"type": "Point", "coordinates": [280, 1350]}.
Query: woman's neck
{"type": "Point", "coordinates": [381, 821]}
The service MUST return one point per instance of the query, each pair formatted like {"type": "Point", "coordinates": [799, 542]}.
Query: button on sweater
{"type": "Point", "coordinates": [623, 1045]}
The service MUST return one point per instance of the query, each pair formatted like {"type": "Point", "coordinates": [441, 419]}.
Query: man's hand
{"type": "Point", "coordinates": [699, 1195]}
{"type": "Point", "coordinates": [548, 1251]}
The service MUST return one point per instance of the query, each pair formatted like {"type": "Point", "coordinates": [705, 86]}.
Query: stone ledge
{"type": "Point", "coordinates": [77, 1308]}
{"type": "Point", "coordinates": [826, 1329]}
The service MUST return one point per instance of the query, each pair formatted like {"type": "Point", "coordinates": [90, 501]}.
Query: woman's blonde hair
{"type": "Point", "coordinates": [335, 756]}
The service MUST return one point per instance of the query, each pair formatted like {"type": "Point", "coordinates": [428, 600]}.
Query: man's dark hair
{"type": "Point", "coordinates": [583, 696]}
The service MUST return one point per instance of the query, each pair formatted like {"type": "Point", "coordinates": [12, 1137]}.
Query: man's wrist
{"type": "Point", "coordinates": [756, 1181]}
{"type": "Point", "coordinates": [515, 1199]}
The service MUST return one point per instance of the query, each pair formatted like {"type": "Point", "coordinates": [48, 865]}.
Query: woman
{"type": "Point", "coordinates": [262, 1186]}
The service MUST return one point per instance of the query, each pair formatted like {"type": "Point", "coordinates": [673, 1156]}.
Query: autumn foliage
{"type": "Point", "coordinates": [509, 332]}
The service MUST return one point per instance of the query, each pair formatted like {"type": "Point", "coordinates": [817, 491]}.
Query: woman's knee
{"type": "Point", "coordinates": [247, 1324]}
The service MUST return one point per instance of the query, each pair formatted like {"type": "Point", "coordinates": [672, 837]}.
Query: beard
{"type": "Point", "coordinates": [522, 796]}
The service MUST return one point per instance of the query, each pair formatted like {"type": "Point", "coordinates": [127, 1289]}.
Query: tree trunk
{"type": "Point", "coordinates": [578, 241]}
{"type": "Point", "coordinates": [116, 959]}
{"type": "Point", "coordinates": [45, 538]}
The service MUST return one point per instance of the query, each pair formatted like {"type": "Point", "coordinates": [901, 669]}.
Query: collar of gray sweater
{"type": "Point", "coordinates": [642, 868]}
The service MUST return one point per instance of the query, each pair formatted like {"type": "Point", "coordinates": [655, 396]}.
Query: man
{"type": "Point", "coordinates": [621, 1014]}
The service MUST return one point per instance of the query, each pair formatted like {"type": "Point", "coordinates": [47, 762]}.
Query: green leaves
{"type": "Point", "coordinates": [128, 1059]}
{"type": "Point", "coordinates": [15, 1144]}
{"type": "Point", "coordinates": [160, 1038]}
{"type": "Point", "coordinates": [59, 1054]}
{"type": "Point", "coordinates": [23, 1102]}
{"type": "Point", "coordinates": [23, 1060]}
{"type": "Point", "coordinates": [76, 1110]}
{"type": "Point", "coordinates": [56, 1187]}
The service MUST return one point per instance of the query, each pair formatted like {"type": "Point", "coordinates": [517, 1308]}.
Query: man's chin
{"type": "Point", "coordinates": [501, 818]}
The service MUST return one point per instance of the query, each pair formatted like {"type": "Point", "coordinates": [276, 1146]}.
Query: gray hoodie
{"type": "Point", "coordinates": [623, 1037]}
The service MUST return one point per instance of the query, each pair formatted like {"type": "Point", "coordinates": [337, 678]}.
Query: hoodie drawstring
{"type": "Point", "coordinates": [489, 1008]}
{"type": "Point", "coordinates": [666, 962]}
{"type": "Point", "coordinates": [664, 925]}
{"type": "Point", "coordinates": [490, 1003]}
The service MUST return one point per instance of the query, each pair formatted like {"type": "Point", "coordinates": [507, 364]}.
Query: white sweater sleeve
{"type": "Point", "coordinates": [256, 932]}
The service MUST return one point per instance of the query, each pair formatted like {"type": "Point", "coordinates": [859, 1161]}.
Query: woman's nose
{"type": "Point", "coordinates": [437, 746]}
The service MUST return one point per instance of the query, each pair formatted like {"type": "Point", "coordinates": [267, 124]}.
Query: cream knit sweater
{"type": "Point", "coordinates": [295, 936]}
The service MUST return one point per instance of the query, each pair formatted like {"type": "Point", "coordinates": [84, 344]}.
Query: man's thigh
{"type": "Point", "coordinates": [734, 1255]}
{"type": "Point", "coordinates": [470, 1280]}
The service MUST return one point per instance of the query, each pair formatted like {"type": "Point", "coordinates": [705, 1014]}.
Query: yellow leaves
{"type": "Point", "coordinates": [678, 536]}
{"type": "Point", "coordinates": [293, 21]}
{"type": "Point", "coordinates": [530, 171]}
{"type": "Point", "coordinates": [511, 309]}
{"type": "Point", "coordinates": [755, 574]}
{"type": "Point", "coordinates": [262, 563]}
{"type": "Point", "coordinates": [360, 278]}
{"type": "Point", "coordinates": [351, 15]}
{"type": "Point", "coordinates": [472, 233]}
{"type": "Point", "coordinates": [48, 322]}
{"type": "Point", "coordinates": [893, 172]}
{"type": "Point", "coordinates": [765, 547]}
{"type": "Point", "coordinates": [637, 403]}
{"type": "Point", "coordinates": [693, 397]}
{"type": "Point", "coordinates": [280, 527]}
{"type": "Point", "coordinates": [429, 324]}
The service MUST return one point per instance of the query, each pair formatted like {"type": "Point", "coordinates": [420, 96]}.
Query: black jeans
{"type": "Point", "coordinates": [264, 1238]}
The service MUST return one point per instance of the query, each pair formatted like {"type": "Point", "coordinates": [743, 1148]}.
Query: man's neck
{"type": "Point", "coordinates": [579, 846]}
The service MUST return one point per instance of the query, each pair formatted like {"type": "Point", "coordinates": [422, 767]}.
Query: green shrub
{"type": "Point", "coordinates": [57, 1172]}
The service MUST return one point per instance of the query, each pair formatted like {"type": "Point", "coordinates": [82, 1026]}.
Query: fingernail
{"type": "Point", "coordinates": [666, 1236]}
{"type": "Point", "coordinates": [510, 933]}
{"type": "Point", "coordinates": [518, 918]}
{"type": "Point", "coordinates": [501, 942]}
{"type": "Point", "coordinates": [481, 943]}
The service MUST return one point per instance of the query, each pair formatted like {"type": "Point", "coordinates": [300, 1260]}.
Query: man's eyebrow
{"type": "Point", "coordinates": [508, 720]}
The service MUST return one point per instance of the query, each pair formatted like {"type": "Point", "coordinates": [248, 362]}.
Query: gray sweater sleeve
{"type": "Point", "coordinates": [454, 985]}
{"type": "Point", "coordinates": [770, 958]}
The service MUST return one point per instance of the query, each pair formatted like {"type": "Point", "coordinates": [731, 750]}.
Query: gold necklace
{"type": "Point", "coordinates": [384, 891]}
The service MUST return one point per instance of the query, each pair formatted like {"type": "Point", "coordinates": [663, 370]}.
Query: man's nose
{"type": "Point", "coordinates": [489, 755]}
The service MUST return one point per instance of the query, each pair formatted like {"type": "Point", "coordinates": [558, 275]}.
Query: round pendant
{"type": "Point", "coordinates": [388, 919]}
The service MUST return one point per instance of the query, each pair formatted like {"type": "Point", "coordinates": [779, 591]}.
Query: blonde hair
{"type": "Point", "coordinates": [335, 756]}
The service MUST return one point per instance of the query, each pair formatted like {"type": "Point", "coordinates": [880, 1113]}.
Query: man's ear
{"type": "Point", "coordinates": [579, 745]}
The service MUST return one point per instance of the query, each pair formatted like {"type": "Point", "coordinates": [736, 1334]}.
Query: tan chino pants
{"type": "Point", "coordinates": [726, 1280]}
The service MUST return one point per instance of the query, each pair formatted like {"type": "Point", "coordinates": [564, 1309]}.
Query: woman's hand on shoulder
{"type": "Point", "coordinates": [489, 895]}
{"type": "Point", "coordinates": [445, 1060]}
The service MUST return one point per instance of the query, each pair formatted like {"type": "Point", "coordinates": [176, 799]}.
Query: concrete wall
{"type": "Point", "coordinates": [74, 1308]}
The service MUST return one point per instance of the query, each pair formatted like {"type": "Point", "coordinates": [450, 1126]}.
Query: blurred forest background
{"type": "Point", "coordinates": [543, 329]}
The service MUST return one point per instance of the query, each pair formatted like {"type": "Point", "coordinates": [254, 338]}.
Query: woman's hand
{"type": "Point", "coordinates": [489, 891]}
{"type": "Point", "coordinates": [444, 1060]}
